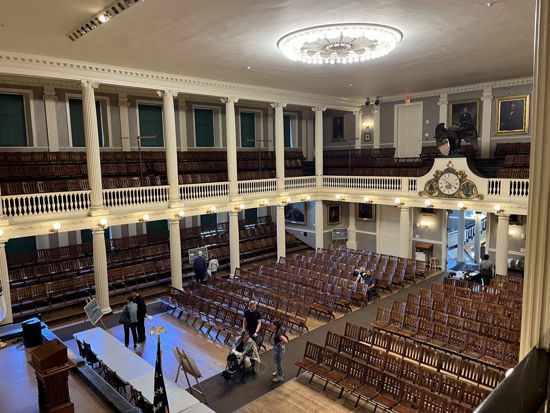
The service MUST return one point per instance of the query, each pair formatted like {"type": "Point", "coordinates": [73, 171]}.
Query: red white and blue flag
{"type": "Point", "coordinates": [160, 401]}
{"type": "Point", "coordinates": [445, 147]}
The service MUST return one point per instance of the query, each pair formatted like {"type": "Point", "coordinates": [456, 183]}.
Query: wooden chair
{"type": "Point", "coordinates": [390, 392]}
{"type": "Point", "coordinates": [410, 399]}
{"type": "Point", "coordinates": [354, 377]}
{"type": "Point", "coordinates": [370, 385]}
{"type": "Point", "coordinates": [312, 354]}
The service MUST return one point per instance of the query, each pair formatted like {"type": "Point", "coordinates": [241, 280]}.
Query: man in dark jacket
{"type": "Point", "coordinates": [141, 312]}
{"type": "Point", "coordinates": [199, 268]}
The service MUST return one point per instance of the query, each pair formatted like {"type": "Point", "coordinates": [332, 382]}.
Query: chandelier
{"type": "Point", "coordinates": [339, 43]}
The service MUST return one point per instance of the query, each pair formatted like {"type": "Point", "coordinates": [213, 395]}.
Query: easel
{"type": "Point", "coordinates": [94, 313]}
{"type": "Point", "coordinates": [187, 365]}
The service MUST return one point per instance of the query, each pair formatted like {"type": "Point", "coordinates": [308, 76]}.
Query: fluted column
{"type": "Point", "coordinates": [376, 127]}
{"type": "Point", "coordinates": [175, 254]}
{"type": "Point", "coordinates": [231, 133]}
{"type": "Point", "coordinates": [123, 105]}
{"type": "Point", "coordinates": [281, 233]}
{"type": "Point", "coordinates": [477, 239]}
{"type": "Point", "coordinates": [319, 144]}
{"type": "Point", "coordinates": [358, 128]}
{"type": "Point", "coordinates": [487, 108]}
{"type": "Point", "coordinates": [50, 103]}
{"type": "Point", "coordinates": [101, 277]}
{"type": "Point", "coordinates": [279, 145]}
{"type": "Point", "coordinates": [404, 232]}
{"type": "Point", "coordinates": [170, 144]}
{"type": "Point", "coordinates": [270, 129]}
{"type": "Point", "coordinates": [460, 237]}
{"type": "Point", "coordinates": [234, 253]}
{"type": "Point", "coordinates": [319, 225]}
{"type": "Point", "coordinates": [309, 136]}
{"type": "Point", "coordinates": [352, 236]}
{"type": "Point", "coordinates": [443, 103]}
{"type": "Point", "coordinates": [501, 259]}
{"type": "Point", "coordinates": [91, 133]}
{"type": "Point", "coordinates": [5, 284]}
{"type": "Point", "coordinates": [182, 118]}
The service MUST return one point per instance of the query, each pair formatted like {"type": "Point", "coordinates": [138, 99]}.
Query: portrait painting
{"type": "Point", "coordinates": [296, 213]}
{"type": "Point", "coordinates": [338, 128]}
{"type": "Point", "coordinates": [365, 212]}
{"type": "Point", "coordinates": [334, 214]}
{"type": "Point", "coordinates": [512, 116]}
{"type": "Point", "coordinates": [367, 136]}
{"type": "Point", "coordinates": [465, 111]}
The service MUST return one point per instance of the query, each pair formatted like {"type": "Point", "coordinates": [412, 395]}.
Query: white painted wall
{"type": "Point", "coordinates": [388, 230]}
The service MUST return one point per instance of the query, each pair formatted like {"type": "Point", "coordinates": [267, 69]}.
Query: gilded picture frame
{"type": "Point", "coordinates": [338, 128]}
{"type": "Point", "coordinates": [365, 212]}
{"type": "Point", "coordinates": [465, 111]}
{"type": "Point", "coordinates": [334, 214]}
{"type": "Point", "coordinates": [512, 115]}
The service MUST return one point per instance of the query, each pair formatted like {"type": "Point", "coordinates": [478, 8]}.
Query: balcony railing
{"type": "Point", "coordinates": [300, 182]}
{"type": "Point", "coordinates": [140, 195]}
{"type": "Point", "coordinates": [501, 187]}
{"type": "Point", "coordinates": [370, 183]}
{"type": "Point", "coordinates": [204, 191]}
{"type": "Point", "coordinates": [45, 203]}
{"type": "Point", "coordinates": [257, 186]}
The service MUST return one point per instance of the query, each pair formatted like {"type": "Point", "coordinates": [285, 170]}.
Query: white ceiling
{"type": "Point", "coordinates": [446, 42]}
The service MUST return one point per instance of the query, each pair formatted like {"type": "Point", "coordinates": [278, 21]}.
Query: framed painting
{"type": "Point", "coordinates": [338, 128]}
{"type": "Point", "coordinates": [465, 111]}
{"type": "Point", "coordinates": [334, 214]}
{"type": "Point", "coordinates": [365, 212]}
{"type": "Point", "coordinates": [367, 136]}
{"type": "Point", "coordinates": [512, 117]}
{"type": "Point", "coordinates": [296, 213]}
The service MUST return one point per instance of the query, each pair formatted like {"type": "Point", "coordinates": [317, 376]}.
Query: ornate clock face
{"type": "Point", "coordinates": [449, 183]}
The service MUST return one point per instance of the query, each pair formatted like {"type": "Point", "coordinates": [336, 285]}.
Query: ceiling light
{"type": "Point", "coordinates": [428, 203]}
{"type": "Point", "coordinates": [340, 43]}
{"type": "Point", "coordinates": [144, 218]}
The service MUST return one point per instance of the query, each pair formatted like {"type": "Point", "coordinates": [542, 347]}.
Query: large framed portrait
{"type": "Point", "coordinates": [334, 214]}
{"type": "Point", "coordinates": [365, 212]}
{"type": "Point", "coordinates": [296, 213]}
{"type": "Point", "coordinates": [465, 111]}
{"type": "Point", "coordinates": [512, 116]}
{"type": "Point", "coordinates": [338, 128]}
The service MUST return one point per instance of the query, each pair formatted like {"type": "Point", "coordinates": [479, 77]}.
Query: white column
{"type": "Point", "coordinates": [231, 134]}
{"type": "Point", "coordinates": [358, 128]}
{"type": "Point", "coordinates": [5, 284]}
{"type": "Point", "coordinates": [319, 224]}
{"type": "Point", "coordinates": [310, 136]}
{"type": "Point", "coordinates": [352, 236]}
{"type": "Point", "coordinates": [477, 239]}
{"type": "Point", "coordinates": [444, 240]}
{"type": "Point", "coordinates": [460, 237]}
{"type": "Point", "coordinates": [443, 103]}
{"type": "Point", "coordinates": [170, 144]}
{"type": "Point", "coordinates": [101, 277]}
{"type": "Point", "coordinates": [50, 103]}
{"type": "Point", "coordinates": [319, 144]}
{"type": "Point", "coordinates": [175, 254]}
{"type": "Point", "coordinates": [234, 253]}
{"type": "Point", "coordinates": [501, 259]}
{"type": "Point", "coordinates": [487, 108]}
{"type": "Point", "coordinates": [279, 145]}
{"type": "Point", "coordinates": [93, 160]}
{"type": "Point", "coordinates": [281, 233]}
{"type": "Point", "coordinates": [182, 119]}
{"type": "Point", "coordinates": [123, 105]}
{"type": "Point", "coordinates": [376, 127]}
{"type": "Point", "coordinates": [305, 142]}
{"type": "Point", "coordinates": [270, 129]}
{"type": "Point", "coordinates": [404, 232]}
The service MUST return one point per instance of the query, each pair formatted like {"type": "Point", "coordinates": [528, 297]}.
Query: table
{"type": "Point", "coordinates": [126, 364]}
{"type": "Point", "coordinates": [179, 399]}
{"type": "Point", "coordinates": [100, 341]}
{"type": "Point", "coordinates": [198, 408]}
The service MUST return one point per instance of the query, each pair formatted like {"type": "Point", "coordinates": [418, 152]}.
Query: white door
{"type": "Point", "coordinates": [408, 129]}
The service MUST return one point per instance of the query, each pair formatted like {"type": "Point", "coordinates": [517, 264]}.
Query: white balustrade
{"type": "Point", "coordinates": [519, 188]}
{"type": "Point", "coordinates": [300, 182]}
{"type": "Point", "coordinates": [373, 183]}
{"type": "Point", "coordinates": [45, 203]}
{"type": "Point", "coordinates": [493, 187]}
{"type": "Point", "coordinates": [203, 191]}
{"type": "Point", "coordinates": [257, 186]}
{"type": "Point", "coordinates": [140, 195]}
{"type": "Point", "coordinates": [500, 187]}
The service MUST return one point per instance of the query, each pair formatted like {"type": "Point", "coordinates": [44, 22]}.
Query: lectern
{"type": "Point", "coordinates": [52, 367]}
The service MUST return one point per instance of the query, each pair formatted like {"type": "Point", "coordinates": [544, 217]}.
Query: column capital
{"type": "Point", "coordinates": [123, 100]}
{"type": "Point", "coordinates": [234, 213]}
{"type": "Point", "coordinates": [49, 93]}
{"type": "Point", "coordinates": [89, 83]}
{"type": "Point", "coordinates": [487, 93]}
{"type": "Point", "coordinates": [163, 93]}
{"type": "Point", "coordinates": [318, 108]}
{"type": "Point", "coordinates": [503, 217]}
{"type": "Point", "coordinates": [443, 98]}
{"type": "Point", "coordinates": [98, 230]}
{"type": "Point", "coordinates": [357, 112]}
{"type": "Point", "coordinates": [229, 99]}
{"type": "Point", "coordinates": [278, 104]}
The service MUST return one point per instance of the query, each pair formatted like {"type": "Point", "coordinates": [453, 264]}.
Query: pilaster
{"type": "Point", "coordinates": [50, 103]}
{"type": "Point", "coordinates": [376, 126]}
{"type": "Point", "coordinates": [319, 144]}
{"type": "Point", "coordinates": [404, 232]}
{"type": "Point", "coordinates": [358, 114]}
{"type": "Point", "coordinates": [182, 119]}
{"type": "Point", "coordinates": [123, 105]}
{"type": "Point", "coordinates": [501, 260]}
{"type": "Point", "coordinates": [235, 261]}
{"type": "Point", "coordinates": [5, 284]}
{"type": "Point", "coordinates": [352, 236]}
{"type": "Point", "coordinates": [486, 119]}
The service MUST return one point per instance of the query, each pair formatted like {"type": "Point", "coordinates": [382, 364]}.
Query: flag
{"type": "Point", "coordinates": [445, 147]}
{"type": "Point", "coordinates": [160, 401]}
{"type": "Point", "coordinates": [3, 309]}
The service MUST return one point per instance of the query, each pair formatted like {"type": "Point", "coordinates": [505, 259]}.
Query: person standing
{"type": "Point", "coordinates": [252, 321]}
{"type": "Point", "coordinates": [141, 313]}
{"type": "Point", "coordinates": [199, 268]}
{"type": "Point", "coordinates": [279, 341]}
{"type": "Point", "coordinates": [130, 323]}
{"type": "Point", "coordinates": [486, 270]}
{"type": "Point", "coordinates": [213, 265]}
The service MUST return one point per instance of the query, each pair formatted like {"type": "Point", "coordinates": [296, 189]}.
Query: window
{"type": "Point", "coordinates": [86, 236]}
{"type": "Point", "coordinates": [13, 128]}
{"type": "Point", "coordinates": [204, 127]}
{"type": "Point", "coordinates": [248, 130]}
{"type": "Point", "coordinates": [287, 131]}
{"type": "Point", "coordinates": [77, 123]}
{"type": "Point", "coordinates": [150, 124]}
{"type": "Point", "coordinates": [251, 213]}
{"type": "Point", "coordinates": [208, 220]}
{"type": "Point", "coordinates": [157, 226]}
{"type": "Point", "coordinates": [21, 245]}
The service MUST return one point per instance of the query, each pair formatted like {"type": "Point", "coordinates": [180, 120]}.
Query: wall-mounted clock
{"type": "Point", "coordinates": [450, 183]}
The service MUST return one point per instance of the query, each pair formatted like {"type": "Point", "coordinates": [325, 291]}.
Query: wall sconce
{"type": "Point", "coordinates": [212, 210]}
{"type": "Point", "coordinates": [366, 125]}
{"type": "Point", "coordinates": [398, 203]}
{"type": "Point", "coordinates": [103, 222]}
{"type": "Point", "coordinates": [425, 224]}
{"type": "Point", "coordinates": [367, 200]}
{"type": "Point", "coordinates": [306, 199]}
{"type": "Point", "coordinates": [340, 198]}
{"type": "Point", "coordinates": [428, 203]}
{"type": "Point", "coordinates": [497, 209]}
{"type": "Point", "coordinates": [265, 203]}
{"type": "Point", "coordinates": [144, 218]}
{"type": "Point", "coordinates": [511, 232]}
{"type": "Point", "coordinates": [56, 227]}
{"type": "Point", "coordinates": [461, 206]}
{"type": "Point", "coordinates": [239, 208]}
{"type": "Point", "coordinates": [180, 214]}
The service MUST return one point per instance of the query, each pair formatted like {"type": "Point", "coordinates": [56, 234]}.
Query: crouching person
{"type": "Point", "coordinates": [244, 351]}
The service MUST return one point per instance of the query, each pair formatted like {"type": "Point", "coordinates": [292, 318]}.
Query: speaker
{"type": "Point", "coordinates": [32, 333]}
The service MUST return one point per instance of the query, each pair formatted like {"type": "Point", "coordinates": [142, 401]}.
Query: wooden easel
{"type": "Point", "coordinates": [187, 366]}
{"type": "Point", "coordinates": [93, 313]}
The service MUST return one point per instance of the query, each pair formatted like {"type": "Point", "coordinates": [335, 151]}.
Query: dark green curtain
{"type": "Point", "coordinates": [13, 129]}
{"type": "Point", "coordinates": [248, 130]}
{"type": "Point", "coordinates": [157, 226]}
{"type": "Point", "coordinates": [21, 245]}
{"type": "Point", "coordinates": [77, 122]}
{"type": "Point", "coordinates": [287, 131]}
{"type": "Point", "coordinates": [204, 127]}
{"type": "Point", "coordinates": [208, 219]}
{"type": "Point", "coordinates": [86, 235]}
{"type": "Point", "coordinates": [251, 213]}
{"type": "Point", "coordinates": [150, 124]}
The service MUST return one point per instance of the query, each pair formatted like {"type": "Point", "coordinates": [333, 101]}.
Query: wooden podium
{"type": "Point", "coordinates": [52, 367]}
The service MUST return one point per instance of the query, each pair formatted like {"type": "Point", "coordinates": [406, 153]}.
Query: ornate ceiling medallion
{"type": "Point", "coordinates": [339, 43]}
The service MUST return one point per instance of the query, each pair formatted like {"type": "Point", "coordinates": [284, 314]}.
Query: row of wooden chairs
{"type": "Point", "coordinates": [366, 162]}
{"type": "Point", "coordinates": [513, 173]}
{"type": "Point", "coordinates": [516, 148]}
{"type": "Point", "coordinates": [376, 171]}
{"type": "Point", "coordinates": [509, 290]}
{"type": "Point", "coordinates": [517, 161]}
{"type": "Point", "coordinates": [359, 153]}
{"type": "Point", "coordinates": [464, 296]}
